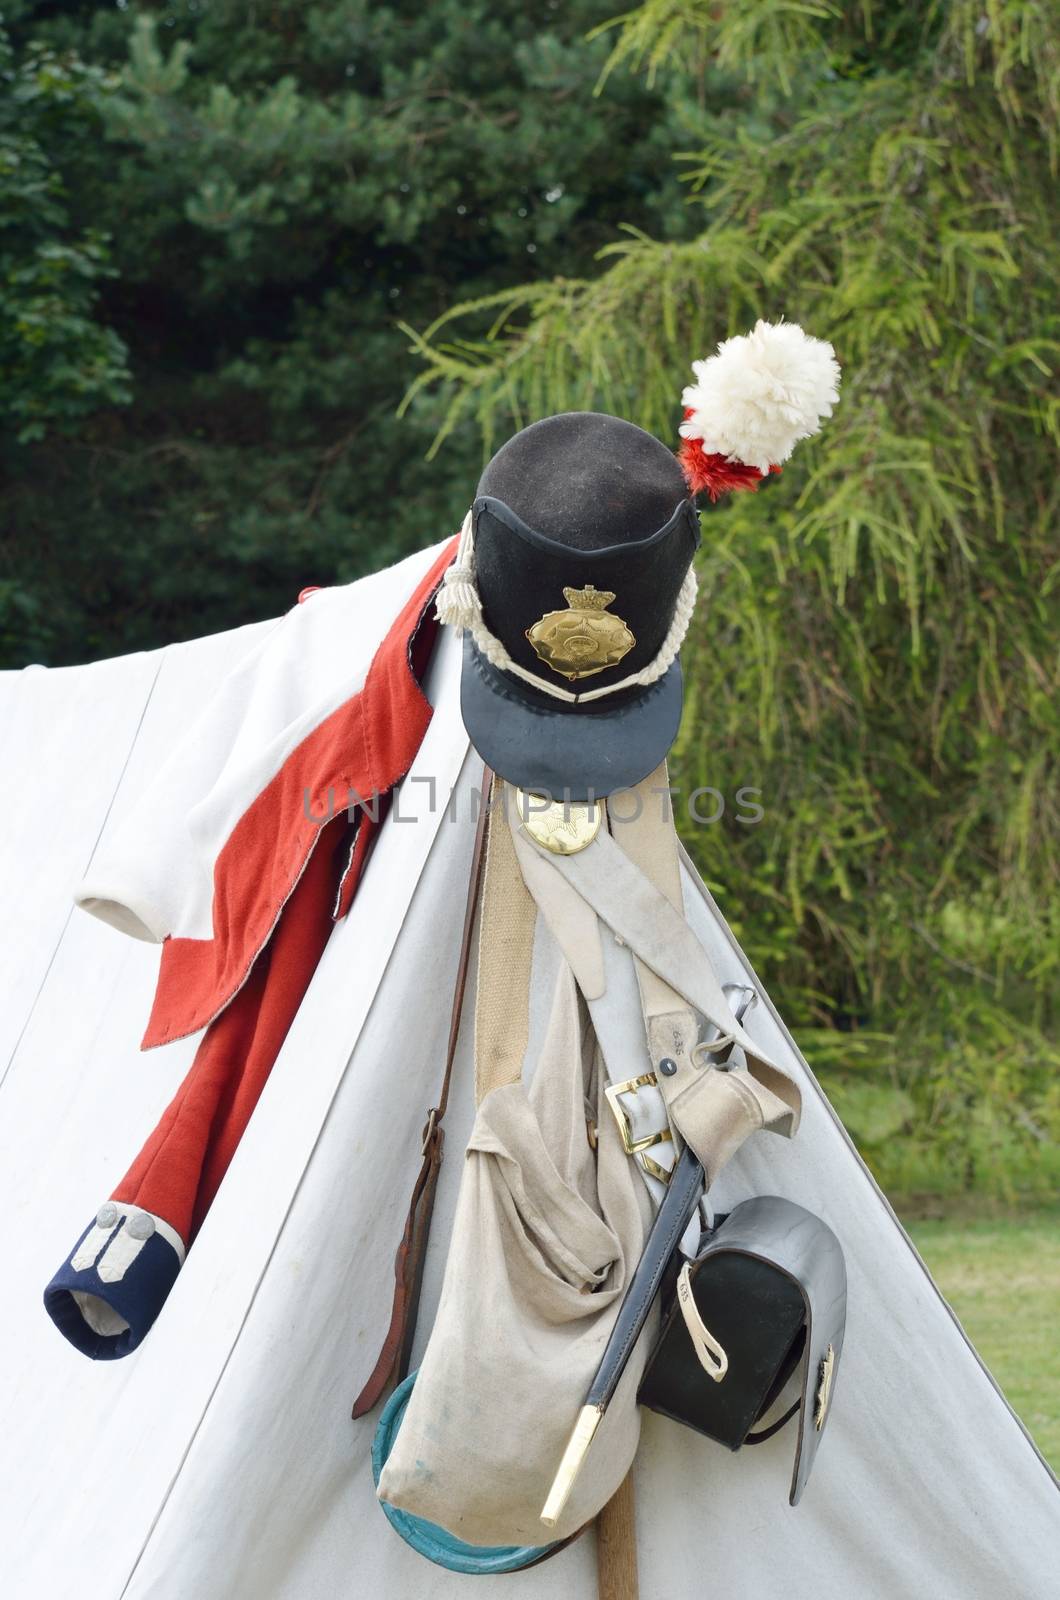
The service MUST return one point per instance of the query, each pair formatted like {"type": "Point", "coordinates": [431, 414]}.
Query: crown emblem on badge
{"type": "Point", "coordinates": [587, 599]}
{"type": "Point", "coordinates": [583, 640]}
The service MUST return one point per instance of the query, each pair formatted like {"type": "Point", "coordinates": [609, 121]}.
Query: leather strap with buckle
{"type": "Point", "coordinates": [613, 1091]}
{"type": "Point", "coordinates": [631, 1144]}
{"type": "Point", "coordinates": [393, 1362]}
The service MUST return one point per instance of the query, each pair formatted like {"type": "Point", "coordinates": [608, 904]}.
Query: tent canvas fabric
{"type": "Point", "coordinates": [219, 1460]}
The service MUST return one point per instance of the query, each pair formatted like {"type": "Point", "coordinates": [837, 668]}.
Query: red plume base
{"type": "Point", "coordinates": [716, 473]}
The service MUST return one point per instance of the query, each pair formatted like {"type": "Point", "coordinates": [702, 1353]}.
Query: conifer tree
{"type": "Point", "coordinates": [876, 643]}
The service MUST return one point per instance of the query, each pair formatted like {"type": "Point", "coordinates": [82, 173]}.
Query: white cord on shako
{"type": "Point", "coordinates": [460, 606]}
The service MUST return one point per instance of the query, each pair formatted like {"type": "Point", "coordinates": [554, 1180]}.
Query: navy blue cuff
{"type": "Point", "coordinates": [107, 1294]}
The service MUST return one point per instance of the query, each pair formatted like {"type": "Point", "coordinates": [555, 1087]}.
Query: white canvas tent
{"type": "Point", "coordinates": [219, 1461]}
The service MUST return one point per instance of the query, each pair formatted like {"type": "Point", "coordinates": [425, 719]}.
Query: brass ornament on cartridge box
{"type": "Point", "coordinates": [824, 1387]}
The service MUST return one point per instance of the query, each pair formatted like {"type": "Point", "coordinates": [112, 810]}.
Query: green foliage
{"type": "Point", "coordinates": [24, 628]}
{"type": "Point", "coordinates": [876, 648]}
{"type": "Point", "coordinates": [280, 185]}
{"type": "Point", "coordinates": [58, 365]}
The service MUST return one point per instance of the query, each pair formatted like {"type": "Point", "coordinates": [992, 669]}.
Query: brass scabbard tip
{"type": "Point", "coordinates": [577, 1449]}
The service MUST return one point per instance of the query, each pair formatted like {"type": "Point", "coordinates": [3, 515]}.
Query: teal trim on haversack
{"type": "Point", "coordinates": [439, 1546]}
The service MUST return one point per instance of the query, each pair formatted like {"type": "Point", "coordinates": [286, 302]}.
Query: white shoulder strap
{"type": "Point", "coordinates": [633, 888]}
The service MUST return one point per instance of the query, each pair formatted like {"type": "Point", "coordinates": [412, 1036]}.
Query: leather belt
{"type": "Point", "coordinates": [393, 1362]}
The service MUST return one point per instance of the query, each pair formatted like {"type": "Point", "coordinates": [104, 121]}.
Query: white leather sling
{"type": "Point", "coordinates": [647, 981]}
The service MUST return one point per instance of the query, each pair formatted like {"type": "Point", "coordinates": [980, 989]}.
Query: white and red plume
{"type": "Point", "coordinates": [751, 403]}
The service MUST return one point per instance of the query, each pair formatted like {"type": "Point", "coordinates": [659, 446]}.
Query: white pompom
{"type": "Point", "coordinates": [761, 394]}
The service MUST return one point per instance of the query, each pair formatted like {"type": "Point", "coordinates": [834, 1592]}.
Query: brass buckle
{"type": "Point", "coordinates": [630, 1145]}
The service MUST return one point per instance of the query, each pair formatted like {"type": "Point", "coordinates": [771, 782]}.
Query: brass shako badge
{"type": "Point", "coordinates": [583, 640]}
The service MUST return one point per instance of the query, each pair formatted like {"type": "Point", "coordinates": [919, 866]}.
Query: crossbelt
{"type": "Point", "coordinates": [613, 908]}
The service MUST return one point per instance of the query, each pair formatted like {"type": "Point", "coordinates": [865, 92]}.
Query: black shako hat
{"type": "Point", "coordinates": [583, 532]}
{"type": "Point", "coordinates": [573, 579]}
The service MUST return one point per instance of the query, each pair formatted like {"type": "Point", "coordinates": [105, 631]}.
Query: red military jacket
{"type": "Point", "coordinates": [238, 859]}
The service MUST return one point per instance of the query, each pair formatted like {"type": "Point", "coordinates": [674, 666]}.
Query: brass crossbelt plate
{"type": "Point", "coordinates": [562, 826]}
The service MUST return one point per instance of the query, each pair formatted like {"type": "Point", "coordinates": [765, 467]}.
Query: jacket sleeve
{"type": "Point", "coordinates": [106, 1295]}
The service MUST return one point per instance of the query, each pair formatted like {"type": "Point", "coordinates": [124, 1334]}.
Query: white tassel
{"type": "Point", "coordinates": [457, 602]}
{"type": "Point", "coordinates": [761, 393]}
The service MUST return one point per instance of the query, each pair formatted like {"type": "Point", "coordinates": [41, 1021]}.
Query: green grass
{"type": "Point", "coordinates": [1002, 1277]}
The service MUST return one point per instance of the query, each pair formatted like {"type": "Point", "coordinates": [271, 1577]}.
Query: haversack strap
{"type": "Point", "coordinates": [505, 951]}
